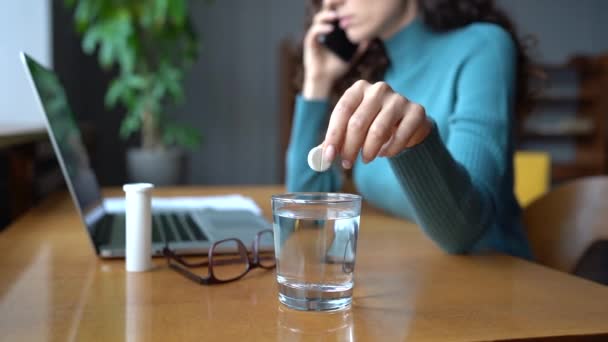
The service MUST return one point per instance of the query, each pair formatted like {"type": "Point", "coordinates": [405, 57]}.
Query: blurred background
{"type": "Point", "coordinates": [237, 92]}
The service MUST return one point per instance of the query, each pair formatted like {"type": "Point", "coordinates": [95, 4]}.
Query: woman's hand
{"type": "Point", "coordinates": [373, 119]}
{"type": "Point", "coordinates": [321, 67]}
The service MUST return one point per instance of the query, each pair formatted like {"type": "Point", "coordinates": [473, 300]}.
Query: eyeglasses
{"type": "Point", "coordinates": [226, 261]}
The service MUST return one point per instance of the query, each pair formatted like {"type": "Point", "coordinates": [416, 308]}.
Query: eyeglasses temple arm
{"type": "Point", "coordinates": [190, 275]}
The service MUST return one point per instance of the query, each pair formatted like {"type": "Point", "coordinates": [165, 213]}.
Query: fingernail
{"type": "Point", "coordinates": [346, 164]}
{"type": "Point", "coordinates": [329, 154]}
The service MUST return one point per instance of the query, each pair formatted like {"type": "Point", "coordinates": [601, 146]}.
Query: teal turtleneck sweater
{"type": "Point", "coordinates": [458, 183]}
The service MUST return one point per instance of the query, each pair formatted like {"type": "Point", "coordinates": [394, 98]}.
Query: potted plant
{"type": "Point", "coordinates": [149, 44]}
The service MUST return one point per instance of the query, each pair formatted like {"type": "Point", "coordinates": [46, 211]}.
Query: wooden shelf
{"type": "Point", "coordinates": [558, 136]}
{"type": "Point", "coordinates": [589, 94]}
{"type": "Point", "coordinates": [583, 99]}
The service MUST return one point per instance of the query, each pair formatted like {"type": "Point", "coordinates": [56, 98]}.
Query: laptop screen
{"type": "Point", "coordinates": [66, 139]}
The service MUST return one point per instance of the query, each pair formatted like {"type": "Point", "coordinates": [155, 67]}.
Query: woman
{"type": "Point", "coordinates": [428, 127]}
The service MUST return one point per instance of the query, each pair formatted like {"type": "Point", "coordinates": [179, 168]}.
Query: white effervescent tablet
{"type": "Point", "coordinates": [315, 160]}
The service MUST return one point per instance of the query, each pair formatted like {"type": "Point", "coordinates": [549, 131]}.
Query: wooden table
{"type": "Point", "coordinates": [53, 287]}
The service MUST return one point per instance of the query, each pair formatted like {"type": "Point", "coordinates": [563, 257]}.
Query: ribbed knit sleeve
{"type": "Point", "coordinates": [454, 187]}
{"type": "Point", "coordinates": [446, 203]}
{"type": "Point", "coordinates": [310, 120]}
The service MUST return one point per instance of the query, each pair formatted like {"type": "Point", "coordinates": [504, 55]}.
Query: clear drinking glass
{"type": "Point", "coordinates": [315, 239]}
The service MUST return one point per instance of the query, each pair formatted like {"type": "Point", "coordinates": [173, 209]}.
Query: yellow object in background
{"type": "Point", "coordinates": [532, 175]}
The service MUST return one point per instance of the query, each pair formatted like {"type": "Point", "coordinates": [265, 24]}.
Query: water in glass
{"type": "Point", "coordinates": [315, 247]}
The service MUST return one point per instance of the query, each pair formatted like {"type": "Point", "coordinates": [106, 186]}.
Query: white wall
{"type": "Point", "coordinates": [25, 25]}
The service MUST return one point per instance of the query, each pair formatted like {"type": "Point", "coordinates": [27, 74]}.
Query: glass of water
{"type": "Point", "coordinates": [315, 238]}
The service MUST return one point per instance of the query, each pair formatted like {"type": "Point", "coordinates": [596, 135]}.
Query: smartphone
{"type": "Point", "coordinates": [337, 42]}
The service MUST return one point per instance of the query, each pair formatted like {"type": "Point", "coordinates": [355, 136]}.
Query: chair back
{"type": "Point", "coordinates": [562, 224]}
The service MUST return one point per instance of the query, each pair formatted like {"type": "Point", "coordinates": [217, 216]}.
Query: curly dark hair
{"type": "Point", "coordinates": [438, 15]}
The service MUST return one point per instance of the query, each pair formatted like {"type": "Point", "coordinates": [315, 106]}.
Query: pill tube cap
{"type": "Point", "coordinates": [137, 187]}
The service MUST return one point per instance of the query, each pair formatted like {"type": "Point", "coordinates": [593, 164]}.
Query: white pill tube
{"type": "Point", "coordinates": [138, 251]}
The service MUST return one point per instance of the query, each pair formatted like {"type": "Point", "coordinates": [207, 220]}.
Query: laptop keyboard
{"type": "Point", "coordinates": [170, 227]}
{"type": "Point", "coordinates": [176, 227]}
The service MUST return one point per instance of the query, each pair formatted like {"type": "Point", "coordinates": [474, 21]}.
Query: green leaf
{"type": "Point", "coordinates": [106, 54]}
{"type": "Point", "coordinates": [130, 124]}
{"type": "Point", "coordinates": [86, 12]}
{"type": "Point", "coordinates": [159, 90]}
{"type": "Point", "coordinates": [160, 12]}
{"type": "Point", "coordinates": [90, 40]}
{"type": "Point", "coordinates": [113, 36]}
{"type": "Point", "coordinates": [177, 12]}
{"type": "Point", "coordinates": [181, 135]}
{"type": "Point", "coordinates": [125, 88]}
{"type": "Point", "coordinates": [115, 91]}
{"type": "Point", "coordinates": [151, 43]}
{"type": "Point", "coordinates": [126, 60]}
{"type": "Point", "coordinates": [171, 79]}
{"type": "Point", "coordinates": [137, 82]}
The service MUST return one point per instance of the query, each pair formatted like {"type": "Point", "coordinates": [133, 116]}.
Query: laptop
{"type": "Point", "coordinates": [186, 230]}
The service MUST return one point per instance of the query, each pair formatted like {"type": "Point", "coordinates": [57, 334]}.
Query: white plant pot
{"type": "Point", "coordinates": [158, 166]}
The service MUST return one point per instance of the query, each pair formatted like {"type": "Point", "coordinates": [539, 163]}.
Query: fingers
{"type": "Point", "coordinates": [360, 123]}
{"type": "Point", "coordinates": [411, 126]}
{"type": "Point", "coordinates": [324, 16]}
{"type": "Point", "coordinates": [340, 116]}
{"type": "Point", "coordinates": [321, 25]}
{"type": "Point", "coordinates": [383, 128]}
{"type": "Point", "coordinates": [375, 120]}
{"type": "Point", "coordinates": [317, 30]}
